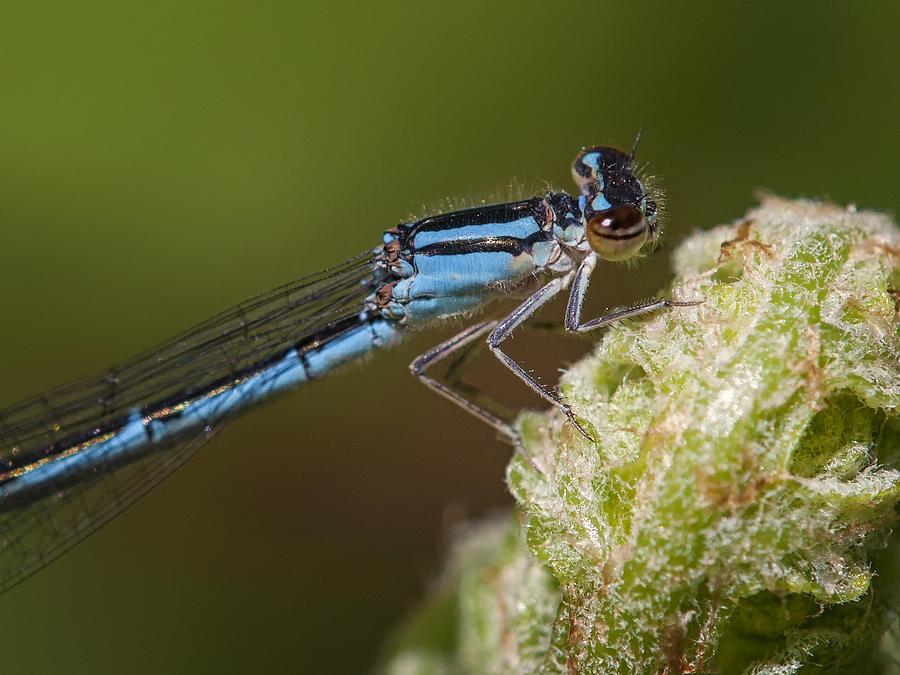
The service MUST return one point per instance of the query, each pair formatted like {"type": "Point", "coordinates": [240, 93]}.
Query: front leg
{"type": "Point", "coordinates": [576, 298]}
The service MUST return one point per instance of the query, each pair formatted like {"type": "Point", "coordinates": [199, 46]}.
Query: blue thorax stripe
{"type": "Point", "coordinates": [483, 215]}
{"type": "Point", "coordinates": [519, 219]}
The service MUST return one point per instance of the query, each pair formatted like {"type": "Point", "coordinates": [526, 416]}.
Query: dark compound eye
{"type": "Point", "coordinates": [617, 233]}
{"type": "Point", "coordinates": [594, 165]}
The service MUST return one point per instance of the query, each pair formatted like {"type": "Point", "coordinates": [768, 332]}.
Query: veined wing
{"type": "Point", "coordinates": [35, 532]}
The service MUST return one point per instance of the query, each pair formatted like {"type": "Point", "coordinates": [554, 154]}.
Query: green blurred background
{"type": "Point", "coordinates": [159, 161]}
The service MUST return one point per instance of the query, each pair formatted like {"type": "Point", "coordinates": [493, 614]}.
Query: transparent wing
{"type": "Point", "coordinates": [33, 534]}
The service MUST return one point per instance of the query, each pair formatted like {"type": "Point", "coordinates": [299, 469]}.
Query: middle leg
{"type": "Point", "coordinates": [504, 330]}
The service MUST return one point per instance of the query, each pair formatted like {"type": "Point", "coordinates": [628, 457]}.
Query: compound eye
{"type": "Point", "coordinates": [617, 233]}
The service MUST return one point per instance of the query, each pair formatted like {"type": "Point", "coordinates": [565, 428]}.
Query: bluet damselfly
{"type": "Point", "coordinates": [75, 456]}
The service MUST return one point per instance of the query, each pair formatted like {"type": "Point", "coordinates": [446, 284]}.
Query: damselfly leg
{"type": "Point", "coordinates": [503, 329]}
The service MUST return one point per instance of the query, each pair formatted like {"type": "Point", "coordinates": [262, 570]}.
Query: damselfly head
{"type": "Point", "coordinates": [618, 215]}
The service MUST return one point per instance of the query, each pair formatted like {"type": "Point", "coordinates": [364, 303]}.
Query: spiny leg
{"type": "Point", "coordinates": [504, 330]}
{"type": "Point", "coordinates": [576, 298]}
{"type": "Point", "coordinates": [459, 362]}
{"type": "Point", "coordinates": [442, 351]}
{"type": "Point", "coordinates": [451, 346]}
{"type": "Point", "coordinates": [454, 377]}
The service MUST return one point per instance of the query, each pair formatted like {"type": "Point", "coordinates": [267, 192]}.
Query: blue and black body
{"type": "Point", "coordinates": [73, 457]}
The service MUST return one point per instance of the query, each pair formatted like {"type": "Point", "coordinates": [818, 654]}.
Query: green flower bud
{"type": "Point", "coordinates": [735, 508]}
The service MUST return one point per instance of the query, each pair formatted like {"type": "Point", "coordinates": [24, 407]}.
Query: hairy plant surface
{"type": "Point", "coordinates": [733, 512]}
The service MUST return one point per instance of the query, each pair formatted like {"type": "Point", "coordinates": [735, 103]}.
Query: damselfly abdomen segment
{"type": "Point", "coordinates": [75, 456]}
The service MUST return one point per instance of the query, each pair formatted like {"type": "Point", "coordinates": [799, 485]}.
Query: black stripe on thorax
{"type": "Point", "coordinates": [483, 215]}
{"type": "Point", "coordinates": [511, 245]}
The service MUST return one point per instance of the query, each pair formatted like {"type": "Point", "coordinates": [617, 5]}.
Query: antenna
{"type": "Point", "coordinates": [636, 141]}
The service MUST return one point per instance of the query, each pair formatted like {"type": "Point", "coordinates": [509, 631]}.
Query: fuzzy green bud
{"type": "Point", "coordinates": [733, 512]}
